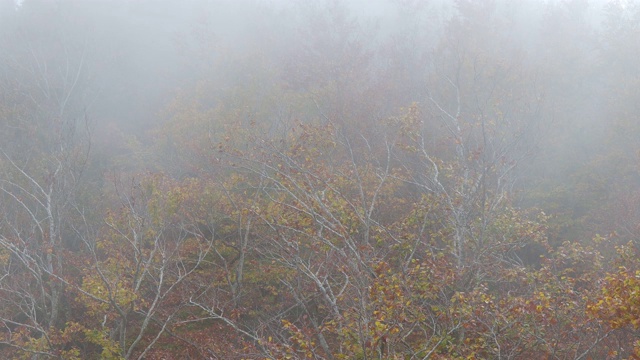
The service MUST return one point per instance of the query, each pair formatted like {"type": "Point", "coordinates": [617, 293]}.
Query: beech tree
{"type": "Point", "coordinates": [488, 112]}
{"type": "Point", "coordinates": [44, 151]}
{"type": "Point", "coordinates": [138, 278]}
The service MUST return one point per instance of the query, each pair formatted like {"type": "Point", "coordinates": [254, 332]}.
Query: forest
{"type": "Point", "coordinates": [297, 179]}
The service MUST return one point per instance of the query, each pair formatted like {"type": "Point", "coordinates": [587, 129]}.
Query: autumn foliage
{"type": "Point", "coordinates": [339, 190]}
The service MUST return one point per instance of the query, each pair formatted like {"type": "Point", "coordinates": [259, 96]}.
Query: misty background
{"type": "Point", "coordinates": [138, 63]}
{"type": "Point", "coordinates": [382, 133]}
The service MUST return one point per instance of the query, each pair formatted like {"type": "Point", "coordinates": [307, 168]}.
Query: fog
{"type": "Point", "coordinates": [319, 179]}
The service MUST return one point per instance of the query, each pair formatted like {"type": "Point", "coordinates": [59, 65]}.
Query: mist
{"type": "Point", "coordinates": [273, 179]}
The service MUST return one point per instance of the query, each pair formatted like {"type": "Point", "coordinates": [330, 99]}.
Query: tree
{"type": "Point", "coordinates": [45, 148]}
{"type": "Point", "coordinates": [144, 264]}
